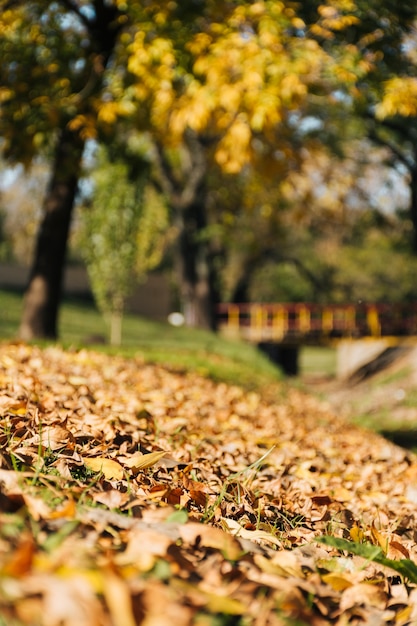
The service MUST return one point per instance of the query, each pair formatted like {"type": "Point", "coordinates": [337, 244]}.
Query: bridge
{"type": "Point", "coordinates": [281, 328]}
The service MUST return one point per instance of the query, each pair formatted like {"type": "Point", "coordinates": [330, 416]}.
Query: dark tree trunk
{"type": "Point", "coordinates": [195, 268]}
{"type": "Point", "coordinates": [185, 190]}
{"type": "Point", "coordinates": [43, 294]}
{"type": "Point", "coordinates": [413, 205]}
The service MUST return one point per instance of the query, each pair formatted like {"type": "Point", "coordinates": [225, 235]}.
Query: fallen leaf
{"type": "Point", "coordinates": [67, 510]}
{"type": "Point", "coordinates": [253, 535]}
{"type": "Point", "coordinates": [139, 461]}
{"type": "Point", "coordinates": [20, 562]}
{"type": "Point", "coordinates": [282, 563]}
{"type": "Point", "coordinates": [118, 599]}
{"type": "Point", "coordinates": [210, 537]}
{"type": "Point", "coordinates": [110, 469]}
{"type": "Point", "coordinates": [338, 582]}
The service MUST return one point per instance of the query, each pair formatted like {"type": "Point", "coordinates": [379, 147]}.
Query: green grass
{"type": "Point", "coordinates": [235, 362]}
{"type": "Point", "coordinates": [318, 361]}
{"type": "Point", "coordinates": [206, 353]}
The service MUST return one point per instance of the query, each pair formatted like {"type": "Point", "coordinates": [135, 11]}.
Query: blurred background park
{"type": "Point", "coordinates": [168, 157]}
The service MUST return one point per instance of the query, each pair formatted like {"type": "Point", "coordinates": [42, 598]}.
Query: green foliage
{"type": "Point", "coordinates": [280, 282]}
{"type": "Point", "coordinates": [362, 260]}
{"type": "Point", "coordinates": [123, 231]}
{"type": "Point", "coordinates": [404, 567]}
{"type": "Point", "coordinates": [152, 234]}
{"type": "Point", "coordinates": [111, 224]}
{"type": "Point", "coordinates": [182, 348]}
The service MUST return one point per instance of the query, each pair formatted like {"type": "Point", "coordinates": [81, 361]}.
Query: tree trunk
{"type": "Point", "coordinates": [195, 269]}
{"type": "Point", "coordinates": [413, 205]}
{"type": "Point", "coordinates": [43, 294]}
{"type": "Point", "coordinates": [185, 190]}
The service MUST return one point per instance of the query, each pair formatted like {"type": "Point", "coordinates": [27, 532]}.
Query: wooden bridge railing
{"type": "Point", "coordinates": [301, 322]}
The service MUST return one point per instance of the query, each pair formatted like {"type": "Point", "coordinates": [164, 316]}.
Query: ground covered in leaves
{"type": "Point", "coordinates": [133, 495]}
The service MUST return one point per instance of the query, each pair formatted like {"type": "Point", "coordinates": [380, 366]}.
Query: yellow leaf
{"type": "Point", "coordinates": [118, 599]}
{"type": "Point", "coordinates": [379, 539]}
{"type": "Point", "coordinates": [5, 94]}
{"type": "Point", "coordinates": [108, 112]}
{"type": "Point", "coordinates": [140, 461]}
{"type": "Point", "coordinates": [224, 604]}
{"type": "Point", "coordinates": [400, 98]}
{"type": "Point", "coordinates": [281, 564]}
{"type": "Point", "coordinates": [67, 510]}
{"type": "Point", "coordinates": [77, 381]}
{"type": "Point", "coordinates": [356, 534]}
{"type": "Point", "coordinates": [337, 581]}
{"type": "Point", "coordinates": [18, 408]}
{"type": "Point", "coordinates": [111, 469]}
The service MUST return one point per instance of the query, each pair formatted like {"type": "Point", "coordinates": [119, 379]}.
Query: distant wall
{"type": "Point", "coordinates": [151, 299]}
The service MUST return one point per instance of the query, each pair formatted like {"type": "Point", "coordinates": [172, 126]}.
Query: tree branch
{"type": "Point", "coordinates": [409, 163]}
{"type": "Point", "coordinates": [181, 194]}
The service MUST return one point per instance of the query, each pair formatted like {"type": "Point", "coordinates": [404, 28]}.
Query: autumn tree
{"type": "Point", "coordinates": [220, 97]}
{"type": "Point", "coordinates": [110, 226]}
{"type": "Point", "coordinates": [210, 83]}
{"type": "Point", "coordinates": [123, 229]}
{"type": "Point", "coordinates": [349, 244]}
{"type": "Point", "coordinates": [381, 40]}
{"type": "Point", "coordinates": [54, 57]}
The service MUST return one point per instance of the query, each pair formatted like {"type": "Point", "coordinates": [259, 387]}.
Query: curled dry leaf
{"type": "Point", "coordinates": [139, 461]}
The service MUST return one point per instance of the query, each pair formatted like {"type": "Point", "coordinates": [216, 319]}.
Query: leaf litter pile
{"type": "Point", "coordinates": [133, 495]}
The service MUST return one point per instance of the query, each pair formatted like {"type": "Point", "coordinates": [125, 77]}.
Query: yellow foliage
{"type": "Point", "coordinates": [246, 73]}
{"type": "Point", "coordinates": [400, 98]}
{"type": "Point", "coordinates": [5, 94]}
{"type": "Point", "coordinates": [10, 21]}
{"type": "Point", "coordinates": [234, 149]}
{"type": "Point", "coordinates": [199, 44]}
{"type": "Point", "coordinates": [108, 112]}
{"type": "Point", "coordinates": [86, 126]}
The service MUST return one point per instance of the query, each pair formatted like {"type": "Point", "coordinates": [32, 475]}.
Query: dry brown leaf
{"type": "Point", "coordinates": [143, 545]}
{"type": "Point", "coordinates": [92, 410]}
{"type": "Point", "coordinates": [253, 535]}
{"type": "Point", "coordinates": [363, 594]}
{"type": "Point", "coordinates": [37, 507]}
{"type": "Point", "coordinates": [210, 537]}
{"type": "Point", "coordinates": [20, 562]}
{"type": "Point", "coordinates": [113, 499]}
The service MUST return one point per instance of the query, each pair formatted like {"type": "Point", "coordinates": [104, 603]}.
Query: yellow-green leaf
{"type": "Point", "coordinates": [111, 469]}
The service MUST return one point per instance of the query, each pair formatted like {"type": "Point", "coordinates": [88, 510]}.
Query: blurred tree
{"type": "Point", "coordinates": [381, 39]}
{"type": "Point", "coordinates": [123, 230]}
{"type": "Point", "coordinates": [110, 225]}
{"type": "Point", "coordinates": [212, 82]}
{"type": "Point", "coordinates": [54, 56]}
{"type": "Point", "coordinates": [218, 97]}
{"type": "Point", "coordinates": [348, 246]}
{"type": "Point", "coordinates": [214, 73]}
